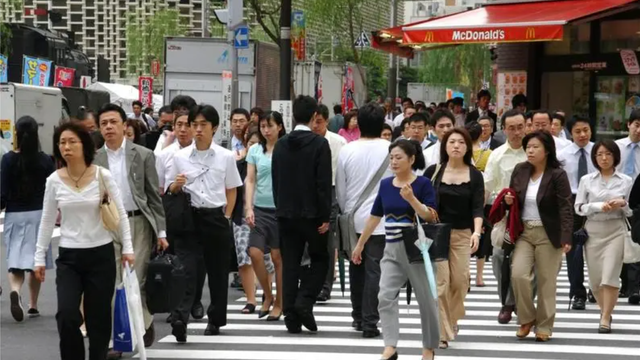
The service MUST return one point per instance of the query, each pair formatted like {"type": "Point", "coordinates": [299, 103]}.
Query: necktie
{"type": "Point", "coordinates": [630, 165]}
{"type": "Point", "coordinates": [582, 164]}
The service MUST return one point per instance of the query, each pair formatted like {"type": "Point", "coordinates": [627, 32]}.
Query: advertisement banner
{"type": "Point", "coordinates": [145, 91]}
{"type": "Point", "coordinates": [298, 35]}
{"type": "Point", "coordinates": [227, 77]}
{"type": "Point", "coordinates": [64, 76]}
{"type": "Point", "coordinates": [4, 69]}
{"type": "Point", "coordinates": [85, 81]}
{"type": "Point", "coordinates": [630, 61]}
{"type": "Point", "coordinates": [36, 71]}
{"type": "Point", "coordinates": [317, 87]}
{"type": "Point", "coordinates": [510, 83]}
{"type": "Point", "coordinates": [284, 108]}
{"type": "Point", "coordinates": [347, 90]}
{"type": "Point", "coordinates": [484, 35]}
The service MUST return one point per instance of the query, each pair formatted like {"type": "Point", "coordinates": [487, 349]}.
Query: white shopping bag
{"type": "Point", "coordinates": [134, 303]}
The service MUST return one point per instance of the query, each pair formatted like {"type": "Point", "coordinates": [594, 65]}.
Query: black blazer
{"type": "Point", "coordinates": [554, 201]}
{"type": "Point", "coordinates": [475, 115]}
{"type": "Point", "coordinates": [495, 143]}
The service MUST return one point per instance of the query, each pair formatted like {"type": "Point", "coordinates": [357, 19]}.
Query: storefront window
{"type": "Point", "coordinates": [616, 97]}
{"type": "Point", "coordinates": [575, 41]}
{"type": "Point", "coordinates": [566, 91]}
{"type": "Point", "coordinates": [619, 34]}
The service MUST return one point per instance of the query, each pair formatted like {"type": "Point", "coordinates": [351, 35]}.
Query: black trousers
{"type": "Point", "coordinates": [364, 281]}
{"type": "Point", "coordinates": [630, 278]}
{"type": "Point", "coordinates": [300, 292]}
{"type": "Point", "coordinates": [91, 272]}
{"type": "Point", "coordinates": [201, 272]}
{"type": "Point", "coordinates": [575, 264]}
{"type": "Point", "coordinates": [333, 243]}
{"type": "Point", "coordinates": [212, 241]}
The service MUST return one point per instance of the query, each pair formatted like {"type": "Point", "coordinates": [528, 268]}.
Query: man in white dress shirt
{"type": "Point", "coordinates": [418, 128]}
{"type": "Point", "coordinates": [497, 176]}
{"type": "Point", "coordinates": [406, 103]}
{"type": "Point", "coordinates": [133, 168]}
{"type": "Point", "coordinates": [239, 122]}
{"type": "Point", "coordinates": [184, 138]}
{"type": "Point", "coordinates": [443, 121]}
{"type": "Point", "coordinates": [208, 173]}
{"type": "Point", "coordinates": [630, 165]}
{"type": "Point", "coordinates": [541, 120]}
{"type": "Point", "coordinates": [180, 103]}
{"type": "Point", "coordinates": [336, 142]}
{"type": "Point", "coordinates": [576, 160]}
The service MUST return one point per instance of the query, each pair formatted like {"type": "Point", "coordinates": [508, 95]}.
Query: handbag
{"type": "Point", "coordinates": [631, 248]}
{"type": "Point", "coordinates": [177, 211]}
{"type": "Point", "coordinates": [439, 232]}
{"type": "Point", "coordinates": [345, 222]}
{"type": "Point", "coordinates": [165, 284]}
{"type": "Point", "coordinates": [108, 209]}
{"type": "Point", "coordinates": [581, 235]}
{"type": "Point", "coordinates": [499, 233]}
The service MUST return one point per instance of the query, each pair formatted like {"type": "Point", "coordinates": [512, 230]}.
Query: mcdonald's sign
{"type": "Point", "coordinates": [530, 34]}
{"type": "Point", "coordinates": [428, 37]}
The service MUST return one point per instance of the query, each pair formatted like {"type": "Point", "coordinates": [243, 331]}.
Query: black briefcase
{"type": "Point", "coordinates": [440, 234]}
{"type": "Point", "coordinates": [165, 284]}
{"type": "Point", "coordinates": [177, 212]}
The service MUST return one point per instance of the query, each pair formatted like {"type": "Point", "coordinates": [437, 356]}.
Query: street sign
{"type": "Point", "coordinates": [363, 40]}
{"type": "Point", "coordinates": [284, 108]}
{"type": "Point", "coordinates": [227, 77]}
{"type": "Point", "coordinates": [155, 67]}
{"type": "Point", "coordinates": [241, 38]}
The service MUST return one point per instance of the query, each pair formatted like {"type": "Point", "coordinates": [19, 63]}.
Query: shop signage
{"type": "Point", "coordinates": [64, 76]}
{"type": "Point", "coordinates": [36, 71]}
{"type": "Point", "coordinates": [145, 90]}
{"type": "Point", "coordinates": [630, 61]}
{"type": "Point", "coordinates": [590, 66]}
{"type": "Point", "coordinates": [484, 35]}
{"type": "Point", "coordinates": [227, 78]}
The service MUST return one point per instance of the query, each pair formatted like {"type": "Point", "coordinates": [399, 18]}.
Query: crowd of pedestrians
{"type": "Point", "coordinates": [282, 208]}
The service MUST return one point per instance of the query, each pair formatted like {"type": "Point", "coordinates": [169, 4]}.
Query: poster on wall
{"type": "Point", "coordinates": [64, 76]}
{"type": "Point", "coordinates": [227, 77]}
{"type": "Point", "coordinates": [284, 108]}
{"type": "Point", "coordinates": [35, 71]}
{"type": "Point", "coordinates": [510, 83]}
{"type": "Point", "coordinates": [610, 104]}
{"type": "Point", "coordinates": [4, 69]}
{"type": "Point", "coordinates": [348, 90]}
{"type": "Point", "coordinates": [145, 90]}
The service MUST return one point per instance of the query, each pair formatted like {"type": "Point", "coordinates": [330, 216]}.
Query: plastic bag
{"type": "Point", "coordinates": [123, 339]}
{"type": "Point", "coordinates": [134, 305]}
{"type": "Point", "coordinates": [424, 243]}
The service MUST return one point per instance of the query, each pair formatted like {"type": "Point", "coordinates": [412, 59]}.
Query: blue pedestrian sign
{"type": "Point", "coordinates": [241, 38]}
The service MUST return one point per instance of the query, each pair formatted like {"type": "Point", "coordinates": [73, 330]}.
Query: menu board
{"type": "Point", "coordinates": [510, 83]}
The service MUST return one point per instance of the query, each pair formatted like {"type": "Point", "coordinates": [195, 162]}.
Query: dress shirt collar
{"type": "Point", "coordinates": [616, 173]}
{"type": "Point", "coordinates": [575, 149]}
{"type": "Point", "coordinates": [302, 127]}
{"type": "Point", "coordinates": [510, 148]}
{"type": "Point", "coordinates": [119, 151]}
{"type": "Point", "coordinates": [486, 144]}
{"type": "Point", "coordinates": [194, 149]}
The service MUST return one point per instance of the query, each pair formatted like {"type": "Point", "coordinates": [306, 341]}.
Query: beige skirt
{"type": "Point", "coordinates": [604, 251]}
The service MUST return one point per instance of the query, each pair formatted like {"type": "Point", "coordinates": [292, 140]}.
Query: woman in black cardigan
{"type": "Point", "coordinates": [460, 195]}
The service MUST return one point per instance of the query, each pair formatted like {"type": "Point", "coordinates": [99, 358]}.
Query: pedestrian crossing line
{"type": "Point", "coordinates": [487, 289]}
{"type": "Point", "coordinates": [239, 328]}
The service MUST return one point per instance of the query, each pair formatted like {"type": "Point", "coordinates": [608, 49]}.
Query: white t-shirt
{"type": "Point", "coordinates": [358, 162]}
{"type": "Point", "coordinates": [530, 211]}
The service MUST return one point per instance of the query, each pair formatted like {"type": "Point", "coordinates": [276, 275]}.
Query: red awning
{"type": "Point", "coordinates": [514, 22]}
{"type": "Point", "coordinates": [390, 40]}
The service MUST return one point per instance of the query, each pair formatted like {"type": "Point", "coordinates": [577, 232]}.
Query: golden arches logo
{"type": "Point", "coordinates": [531, 33]}
{"type": "Point", "coordinates": [428, 37]}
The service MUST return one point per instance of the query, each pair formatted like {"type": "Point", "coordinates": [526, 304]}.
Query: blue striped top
{"type": "Point", "coordinates": [396, 210]}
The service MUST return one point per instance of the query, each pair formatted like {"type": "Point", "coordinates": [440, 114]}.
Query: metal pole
{"type": "Point", "coordinates": [205, 18]}
{"type": "Point", "coordinates": [233, 60]}
{"type": "Point", "coordinates": [393, 59]}
{"type": "Point", "coordinates": [285, 50]}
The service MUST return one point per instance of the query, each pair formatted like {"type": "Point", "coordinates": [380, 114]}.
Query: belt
{"type": "Point", "coordinates": [207, 210]}
{"type": "Point", "coordinates": [530, 224]}
{"type": "Point", "coordinates": [134, 213]}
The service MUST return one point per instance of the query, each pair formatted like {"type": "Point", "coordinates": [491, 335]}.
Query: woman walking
{"type": "Point", "coordinates": [602, 199]}
{"type": "Point", "coordinates": [261, 213]}
{"type": "Point", "coordinates": [86, 261]}
{"type": "Point", "coordinates": [400, 199]}
{"type": "Point", "coordinates": [459, 188]}
{"type": "Point", "coordinates": [350, 130]}
{"type": "Point", "coordinates": [24, 174]}
{"type": "Point", "coordinates": [544, 195]}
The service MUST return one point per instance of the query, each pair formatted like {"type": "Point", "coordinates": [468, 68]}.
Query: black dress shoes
{"type": "Point", "coordinates": [308, 320]}
{"type": "Point", "coordinates": [578, 304]}
{"type": "Point", "coordinates": [211, 330]}
{"type": "Point", "coordinates": [197, 311]}
{"type": "Point", "coordinates": [179, 330]}
{"type": "Point", "coordinates": [371, 333]}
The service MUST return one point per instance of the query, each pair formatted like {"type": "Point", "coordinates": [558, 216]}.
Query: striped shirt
{"type": "Point", "coordinates": [397, 211]}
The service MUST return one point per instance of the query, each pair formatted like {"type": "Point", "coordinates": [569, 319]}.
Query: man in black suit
{"type": "Point", "coordinates": [487, 140]}
{"type": "Point", "coordinates": [301, 174]}
{"type": "Point", "coordinates": [484, 97]}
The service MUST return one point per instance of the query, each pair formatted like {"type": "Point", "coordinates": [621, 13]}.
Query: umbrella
{"type": "Point", "coordinates": [424, 243]}
{"type": "Point", "coordinates": [506, 271]}
{"type": "Point", "coordinates": [341, 271]}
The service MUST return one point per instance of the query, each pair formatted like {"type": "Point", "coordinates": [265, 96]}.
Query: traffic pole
{"type": "Point", "coordinates": [285, 50]}
{"type": "Point", "coordinates": [393, 60]}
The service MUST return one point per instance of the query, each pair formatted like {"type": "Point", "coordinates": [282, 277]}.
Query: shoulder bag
{"type": "Point", "coordinates": [345, 222]}
{"type": "Point", "coordinates": [108, 209]}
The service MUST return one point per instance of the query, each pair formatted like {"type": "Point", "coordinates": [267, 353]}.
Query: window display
{"type": "Point", "coordinates": [616, 97]}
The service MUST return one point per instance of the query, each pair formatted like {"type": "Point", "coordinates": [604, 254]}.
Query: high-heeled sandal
{"type": "Point", "coordinates": [605, 329]}
{"type": "Point", "coordinates": [263, 313]}
{"type": "Point", "coordinates": [392, 357]}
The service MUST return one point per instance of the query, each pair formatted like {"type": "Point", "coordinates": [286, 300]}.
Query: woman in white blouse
{"type": "Point", "coordinates": [86, 259]}
{"type": "Point", "coordinates": [602, 198]}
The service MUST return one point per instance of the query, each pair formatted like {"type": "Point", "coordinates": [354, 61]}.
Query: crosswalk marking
{"type": "Point", "coordinates": [481, 337]}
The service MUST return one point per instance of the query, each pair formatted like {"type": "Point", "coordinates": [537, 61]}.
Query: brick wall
{"type": "Point", "coordinates": [267, 74]}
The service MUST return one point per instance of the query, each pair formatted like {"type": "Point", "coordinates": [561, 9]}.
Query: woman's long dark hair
{"type": "Point", "coordinates": [275, 118]}
{"type": "Point", "coordinates": [27, 167]}
{"type": "Point", "coordinates": [444, 156]}
{"type": "Point", "coordinates": [411, 148]}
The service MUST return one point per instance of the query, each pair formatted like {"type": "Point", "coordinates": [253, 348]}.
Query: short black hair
{"type": "Point", "coordinates": [411, 148]}
{"type": "Point", "coordinates": [385, 126]}
{"type": "Point", "coordinates": [303, 109]}
{"type": "Point", "coordinates": [136, 102]}
{"type": "Point", "coordinates": [112, 107]}
{"type": "Point", "coordinates": [182, 102]}
{"type": "Point", "coordinates": [519, 99]}
{"type": "Point", "coordinates": [370, 120]}
{"type": "Point", "coordinates": [407, 108]}
{"type": "Point", "coordinates": [165, 110]}
{"type": "Point", "coordinates": [635, 116]}
{"type": "Point", "coordinates": [419, 117]}
{"type": "Point", "coordinates": [482, 93]}
{"type": "Point", "coordinates": [560, 117]}
{"type": "Point", "coordinates": [258, 111]}
{"type": "Point", "coordinates": [474, 129]}
{"type": "Point", "coordinates": [442, 113]}
{"type": "Point", "coordinates": [148, 110]}
{"type": "Point", "coordinates": [207, 111]}
{"type": "Point", "coordinates": [458, 101]}
{"type": "Point", "coordinates": [324, 111]}
{"type": "Point", "coordinates": [444, 156]}
{"type": "Point", "coordinates": [543, 112]}
{"type": "Point", "coordinates": [575, 120]}
{"type": "Point", "coordinates": [407, 99]}
{"type": "Point", "coordinates": [549, 144]}
{"type": "Point", "coordinates": [88, 147]}
{"type": "Point", "coordinates": [609, 145]}
{"type": "Point", "coordinates": [240, 111]}
{"type": "Point", "coordinates": [511, 113]}
{"type": "Point", "coordinates": [337, 109]}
